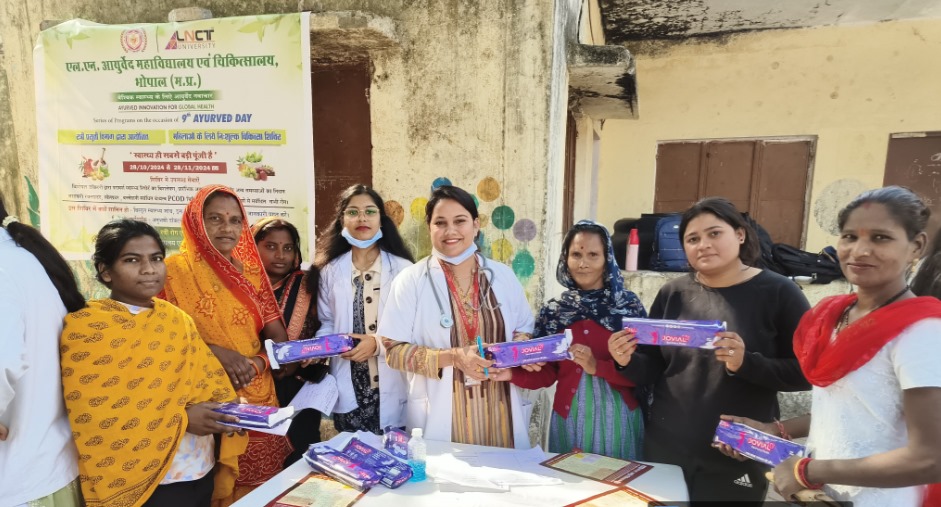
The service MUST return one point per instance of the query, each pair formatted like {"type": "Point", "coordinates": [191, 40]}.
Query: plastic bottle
{"type": "Point", "coordinates": [633, 246]}
{"type": "Point", "coordinates": [417, 455]}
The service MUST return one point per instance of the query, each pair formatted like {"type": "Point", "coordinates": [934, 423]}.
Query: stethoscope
{"type": "Point", "coordinates": [446, 320]}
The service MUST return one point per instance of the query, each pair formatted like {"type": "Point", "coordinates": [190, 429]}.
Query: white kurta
{"type": "Point", "coordinates": [335, 310]}
{"type": "Point", "coordinates": [38, 458]}
{"type": "Point", "coordinates": [861, 414]}
{"type": "Point", "coordinates": [413, 315]}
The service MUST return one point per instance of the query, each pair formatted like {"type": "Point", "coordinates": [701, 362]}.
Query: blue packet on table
{"type": "Point", "coordinates": [342, 467]}
{"type": "Point", "coordinates": [394, 472]}
{"type": "Point", "coordinates": [395, 442]}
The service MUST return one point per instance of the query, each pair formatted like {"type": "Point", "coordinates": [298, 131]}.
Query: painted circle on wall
{"type": "Point", "coordinates": [438, 182]}
{"type": "Point", "coordinates": [503, 217]}
{"type": "Point", "coordinates": [484, 220]}
{"type": "Point", "coordinates": [476, 201]}
{"type": "Point", "coordinates": [524, 265]}
{"type": "Point", "coordinates": [488, 189]}
{"type": "Point", "coordinates": [501, 250]}
{"type": "Point", "coordinates": [524, 230]}
{"type": "Point", "coordinates": [418, 209]}
{"type": "Point", "coordinates": [832, 199]}
{"type": "Point", "coordinates": [395, 212]}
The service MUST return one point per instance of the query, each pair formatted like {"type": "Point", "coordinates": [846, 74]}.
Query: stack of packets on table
{"type": "Point", "coordinates": [312, 348]}
{"type": "Point", "coordinates": [255, 416]}
{"type": "Point", "coordinates": [539, 350]}
{"type": "Point", "coordinates": [678, 333]}
{"type": "Point", "coordinates": [359, 465]}
{"type": "Point", "coordinates": [395, 442]}
{"type": "Point", "coordinates": [756, 445]}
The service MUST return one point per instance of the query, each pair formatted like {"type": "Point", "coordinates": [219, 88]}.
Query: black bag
{"type": "Point", "coordinates": [766, 261]}
{"type": "Point", "coordinates": [797, 262]}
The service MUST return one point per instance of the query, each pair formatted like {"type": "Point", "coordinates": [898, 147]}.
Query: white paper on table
{"type": "Point", "coordinates": [321, 396]}
{"type": "Point", "coordinates": [465, 480]}
{"type": "Point", "coordinates": [505, 458]}
{"type": "Point", "coordinates": [504, 477]}
{"type": "Point", "coordinates": [510, 467]}
{"type": "Point", "coordinates": [454, 475]}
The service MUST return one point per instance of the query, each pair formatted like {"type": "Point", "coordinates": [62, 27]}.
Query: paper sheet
{"type": "Point", "coordinates": [598, 467]}
{"type": "Point", "coordinates": [318, 490]}
{"type": "Point", "coordinates": [280, 430]}
{"type": "Point", "coordinates": [321, 396]}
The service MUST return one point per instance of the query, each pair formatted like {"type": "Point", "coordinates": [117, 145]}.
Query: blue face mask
{"type": "Point", "coordinates": [360, 243]}
{"type": "Point", "coordinates": [457, 259]}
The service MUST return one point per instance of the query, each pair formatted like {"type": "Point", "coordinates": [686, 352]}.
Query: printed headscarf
{"type": "Point", "coordinates": [606, 305]}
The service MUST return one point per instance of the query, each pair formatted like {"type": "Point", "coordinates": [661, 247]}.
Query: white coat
{"type": "Point", "coordinates": [39, 456]}
{"type": "Point", "coordinates": [412, 315]}
{"type": "Point", "coordinates": [335, 310]}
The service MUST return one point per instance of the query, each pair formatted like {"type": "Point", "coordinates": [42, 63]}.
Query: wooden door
{"type": "Point", "coordinates": [342, 134]}
{"type": "Point", "coordinates": [768, 178]}
{"type": "Point", "coordinates": [914, 161]}
{"type": "Point", "coordinates": [780, 199]}
{"type": "Point", "coordinates": [568, 177]}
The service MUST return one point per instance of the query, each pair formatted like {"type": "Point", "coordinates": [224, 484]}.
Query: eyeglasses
{"type": "Point", "coordinates": [354, 213]}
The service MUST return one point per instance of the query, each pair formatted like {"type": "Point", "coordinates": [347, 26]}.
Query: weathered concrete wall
{"type": "Point", "coordinates": [850, 86]}
{"type": "Point", "coordinates": [473, 93]}
{"type": "Point", "coordinates": [11, 183]}
{"type": "Point", "coordinates": [466, 99]}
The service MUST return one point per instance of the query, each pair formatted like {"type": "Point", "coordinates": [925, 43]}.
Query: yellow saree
{"type": "Point", "coordinates": [127, 381]}
{"type": "Point", "coordinates": [230, 308]}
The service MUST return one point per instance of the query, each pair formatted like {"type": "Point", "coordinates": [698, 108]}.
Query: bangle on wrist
{"type": "Point", "coordinates": [781, 431]}
{"type": "Point", "coordinates": [800, 472]}
{"type": "Point", "coordinates": [264, 361]}
{"type": "Point", "coordinates": [255, 367]}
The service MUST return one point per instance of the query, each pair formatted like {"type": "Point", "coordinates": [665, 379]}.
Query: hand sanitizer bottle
{"type": "Point", "coordinates": [417, 454]}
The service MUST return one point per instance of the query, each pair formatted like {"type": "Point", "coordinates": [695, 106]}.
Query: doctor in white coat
{"type": "Point", "coordinates": [38, 459]}
{"type": "Point", "coordinates": [431, 323]}
{"type": "Point", "coordinates": [359, 256]}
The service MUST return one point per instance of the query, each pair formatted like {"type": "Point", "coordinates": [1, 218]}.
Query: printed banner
{"type": "Point", "coordinates": [134, 119]}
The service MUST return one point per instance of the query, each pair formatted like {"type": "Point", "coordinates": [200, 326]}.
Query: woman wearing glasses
{"type": "Point", "coordinates": [358, 256]}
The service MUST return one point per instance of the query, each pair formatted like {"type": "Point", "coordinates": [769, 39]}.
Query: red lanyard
{"type": "Point", "coordinates": [470, 325]}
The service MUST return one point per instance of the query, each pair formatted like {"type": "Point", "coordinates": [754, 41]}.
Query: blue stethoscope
{"type": "Point", "coordinates": [446, 320]}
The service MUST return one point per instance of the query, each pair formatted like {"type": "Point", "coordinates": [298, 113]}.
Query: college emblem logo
{"type": "Point", "coordinates": [134, 40]}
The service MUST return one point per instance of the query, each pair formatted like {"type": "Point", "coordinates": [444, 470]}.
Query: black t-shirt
{"type": "Point", "coordinates": [691, 388]}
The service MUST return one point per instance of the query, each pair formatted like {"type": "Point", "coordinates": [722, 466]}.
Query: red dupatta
{"type": "Point", "coordinates": [824, 362]}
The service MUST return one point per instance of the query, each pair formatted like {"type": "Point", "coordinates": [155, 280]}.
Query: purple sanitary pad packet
{"type": "Point", "coordinates": [395, 442]}
{"type": "Point", "coordinates": [757, 445]}
{"type": "Point", "coordinates": [299, 350]}
{"type": "Point", "coordinates": [549, 348]}
{"type": "Point", "coordinates": [341, 467]}
{"type": "Point", "coordinates": [679, 333]}
{"type": "Point", "coordinates": [255, 416]}
{"type": "Point", "coordinates": [394, 472]}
